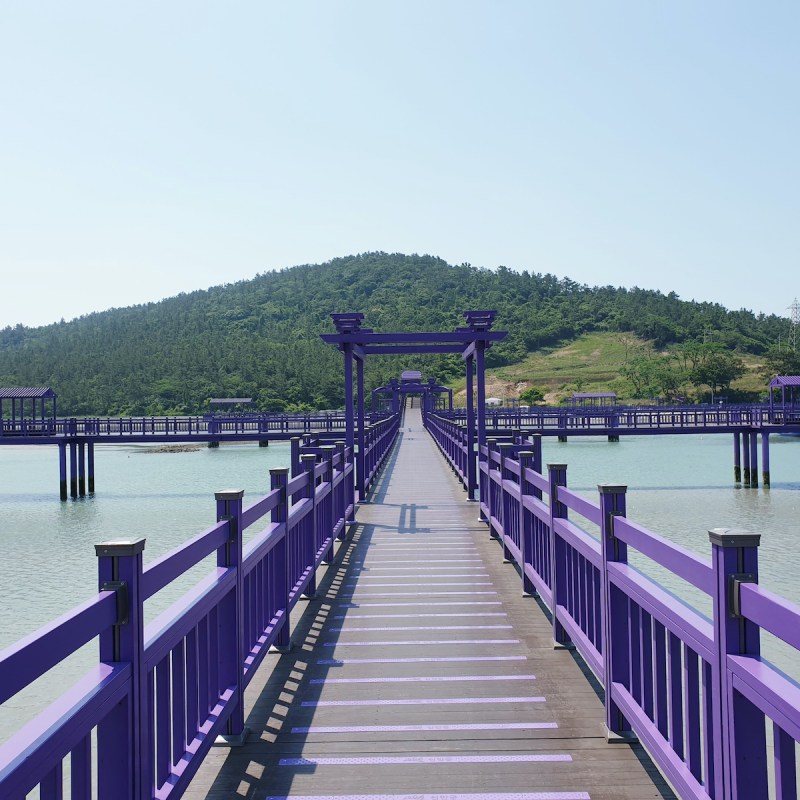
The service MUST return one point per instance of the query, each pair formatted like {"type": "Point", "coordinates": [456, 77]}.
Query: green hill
{"type": "Point", "coordinates": [259, 338]}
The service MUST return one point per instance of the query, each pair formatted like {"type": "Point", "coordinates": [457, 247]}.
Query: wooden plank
{"type": "Point", "coordinates": [378, 697]}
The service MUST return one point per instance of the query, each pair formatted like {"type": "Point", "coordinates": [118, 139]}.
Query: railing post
{"type": "Point", "coordinates": [231, 621]}
{"type": "Point", "coordinates": [526, 459]}
{"type": "Point", "coordinates": [739, 739]}
{"type": "Point", "coordinates": [557, 474]}
{"type": "Point", "coordinates": [491, 445]}
{"type": "Point", "coordinates": [613, 611]}
{"type": "Point", "coordinates": [341, 491]}
{"type": "Point", "coordinates": [294, 457]}
{"type": "Point", "coordinates": [506, 449]}
{"type": "Point", "coordinates": [123, 762]}
{"type": "Point", "coordinates": [278, 479]}
{"type": "Point", "coordinates": [308, 461]}
{"type": "Point", "coordinates": [535, 440]}
{"type": "Point", "coordinates": [327, 456]}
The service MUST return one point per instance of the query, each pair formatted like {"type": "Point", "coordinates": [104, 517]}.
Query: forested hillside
{"type": "Point", "coordinates": [260, 338]}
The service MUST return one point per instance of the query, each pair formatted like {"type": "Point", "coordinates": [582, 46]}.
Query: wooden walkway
{"type": "Point", "coordinates": [420, 671]}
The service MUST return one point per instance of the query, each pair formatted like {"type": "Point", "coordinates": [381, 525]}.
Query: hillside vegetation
{"type": "Point", "coordinates": [260, 338]}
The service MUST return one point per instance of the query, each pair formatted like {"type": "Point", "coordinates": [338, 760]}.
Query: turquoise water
{"type": "Point", "coordinates": [679, 486]}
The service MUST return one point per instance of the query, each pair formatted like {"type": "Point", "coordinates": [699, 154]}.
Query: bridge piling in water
{"type": "Point", "coordinates": [737, 457]}
{"type": "Point", "coordinates": [753, 460]}
{"type": "Point", "coordinates": [765, 458]}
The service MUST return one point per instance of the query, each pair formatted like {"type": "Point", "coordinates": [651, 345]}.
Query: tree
{"type": "Point", "coordinates": [718, 370]}
{"type": "Point", "coordinates": [531, 396]}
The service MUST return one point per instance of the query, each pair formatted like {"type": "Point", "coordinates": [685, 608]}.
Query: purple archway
{"type": "Point", "coordinates": [471, 341]}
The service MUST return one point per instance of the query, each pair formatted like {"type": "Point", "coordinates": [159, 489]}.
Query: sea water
{"type": "Point", "coordinates": [678, 486]}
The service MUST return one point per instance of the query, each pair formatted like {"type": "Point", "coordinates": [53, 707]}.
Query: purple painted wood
{"type": "Point", "coordinates": [698, 695]}
{"type": "Point", "coordinates": [158, 707]}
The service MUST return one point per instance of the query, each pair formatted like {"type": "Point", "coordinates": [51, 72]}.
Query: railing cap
{"type": "Point", "coordinates": [229, 494]}
{"type": "Point", "coordinates": [122, 547]}
{"type": "Point", "coordinates": [556, 466]}
{"type": "Point", "coordinates": [308, 457]}
{"type": "Point", "coordinates": [611, 488]}
{"type": "Point", "coordinates": [327, 447]}
{"type": "Point", "coordinates": [526, 454]}
{"type": "Point", "coordinates": [733, 537]}
{"type": "Point", "coordinates": [279, 471]}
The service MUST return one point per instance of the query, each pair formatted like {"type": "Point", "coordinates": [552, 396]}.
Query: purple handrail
{"type": "Point", "coordinates": [696, 692]}
{"type": "Point", "coordinates": [162, 694]}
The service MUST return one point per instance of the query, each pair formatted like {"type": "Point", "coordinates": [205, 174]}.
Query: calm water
{"type": "Point", "coordinates": [679, 486]}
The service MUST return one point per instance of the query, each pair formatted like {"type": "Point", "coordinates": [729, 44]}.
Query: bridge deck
{"type": "Point", "coordinates": [421, 670]}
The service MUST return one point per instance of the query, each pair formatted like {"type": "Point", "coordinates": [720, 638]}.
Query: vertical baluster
{"type": "Point", "coordinates": [785, 764]}
{"type": "Point", "coordinates": [691, 680]}
{"type": "Point", "coordinates": [162, 719]}
{"type": "Point", "coordinates": [660, 685]}
{"type": "Point", "coordinates": [675, 694]}
{"type": "Point", "coordinates": [178, 701]}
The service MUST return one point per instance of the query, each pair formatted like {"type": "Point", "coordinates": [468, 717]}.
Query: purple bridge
{"type": "Point", "coordinates": [384, 633]}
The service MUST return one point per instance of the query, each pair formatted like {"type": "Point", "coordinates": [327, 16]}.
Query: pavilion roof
{"type": "Point", "coordinates": [785, 380]}
{"type": "Point", "coordinates": [27, 392]}
{"type": "Point", "coordinates": [230, 400]}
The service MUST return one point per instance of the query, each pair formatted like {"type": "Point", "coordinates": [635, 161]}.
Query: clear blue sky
{"type": "Point", "coordinates": [151, 148]}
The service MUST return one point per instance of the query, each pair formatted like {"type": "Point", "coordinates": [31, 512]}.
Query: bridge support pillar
{"type": "Point", "coordinates": [82, 469]}
{"type": "Point", "coordinates": [62, 470]}
{"type": "Point", "coordinates": [754, 460]}
{"type": "Point", "coordinates": [765, 458]}
{"type": "Point", "coordinates": [264, 443]}
{"type": "Point", "coordinates": [613, 437]}
{"type": "Point", "coordinates": [737, 457]}
{"type": "Point", "coordinates": [562, 438]}
{"type": "Point", "coordinates": [746, 458]}
{"type": "Point", "coordinates": [73, 469]}
{"type": "Point", "coordinates": [90, 465]}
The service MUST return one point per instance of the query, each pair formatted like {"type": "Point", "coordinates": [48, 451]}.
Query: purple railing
{"type": "Point", "coordinates": [574, 419]}
{"type": "Point", "coordinates": [207, 424]}
{"type": "Point", "coordinates": [162, 693]}
{"type": "Point", "coordinates": [695, 692]}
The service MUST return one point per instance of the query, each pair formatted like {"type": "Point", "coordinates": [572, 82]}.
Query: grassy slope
{"type": "Point", "coordinates": [588, 364]}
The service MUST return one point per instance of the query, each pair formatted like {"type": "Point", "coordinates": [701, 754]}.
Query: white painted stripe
{"type": "Point", "coordinates": [424, 701]}
{"type": "Point", "coordinates": [378, 760]}
{"type": "Point", "coordinates": [428, 679]}
{"type": "Point", "coordinates": [465, 726]}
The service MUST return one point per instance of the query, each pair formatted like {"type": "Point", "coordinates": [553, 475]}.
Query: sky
{"type": "Point", "coordinates": [151, 148]}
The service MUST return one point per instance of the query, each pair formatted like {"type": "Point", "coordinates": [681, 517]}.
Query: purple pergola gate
{"type": "Point", "coordinates": [471, 341]}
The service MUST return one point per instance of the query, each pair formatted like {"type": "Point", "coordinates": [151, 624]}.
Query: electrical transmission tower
{"type": "Point", "coordinates": [793, 324]}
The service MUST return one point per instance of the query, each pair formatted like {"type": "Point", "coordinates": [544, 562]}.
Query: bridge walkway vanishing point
{"type": "Point", "coordinates": [419, 669]}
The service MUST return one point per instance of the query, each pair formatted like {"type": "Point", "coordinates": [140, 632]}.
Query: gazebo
{"type": "Point", "coordinates": [594, 398]}
{"type": "Point", "coordinates": [27, 405]}
{"type": "Point", "coordinates": [784, 399]}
